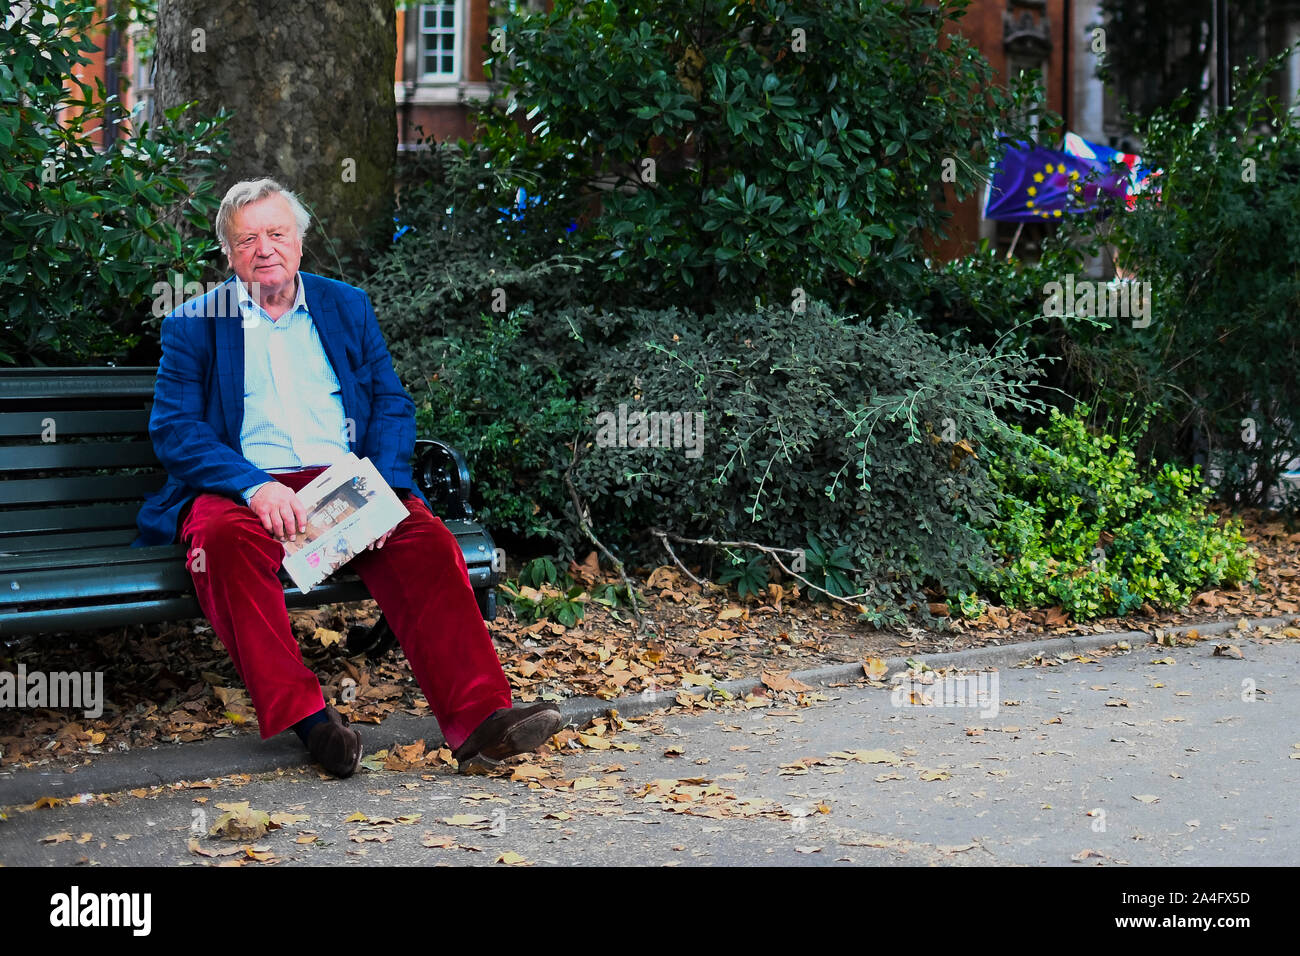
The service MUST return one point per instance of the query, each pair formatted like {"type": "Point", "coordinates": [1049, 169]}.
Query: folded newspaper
{"type": "Point", "coordinates": [348, 507]}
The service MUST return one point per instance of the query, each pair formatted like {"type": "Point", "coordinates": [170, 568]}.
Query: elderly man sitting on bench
{"type": "Point", "coordinates": [252, 402]}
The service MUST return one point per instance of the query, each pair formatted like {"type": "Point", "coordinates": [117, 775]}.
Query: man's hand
{"type": "Point", "coordinates": [279, 509]}
{"type": "Point", "coordinates": [379, 542]}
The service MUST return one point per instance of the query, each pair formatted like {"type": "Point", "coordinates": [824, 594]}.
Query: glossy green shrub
{"type": "Point", "coordinates": [86, 234]}
{"type": "Point", "coordinates": [1084, 526]}
{"type": "Point", "coordinates": [513, 417]}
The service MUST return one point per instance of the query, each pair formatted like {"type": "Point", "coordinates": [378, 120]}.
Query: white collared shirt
{"type": "Point", "coordinates": [293, 405]}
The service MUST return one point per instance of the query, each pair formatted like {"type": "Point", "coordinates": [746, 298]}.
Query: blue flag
{"type": "Point", "coordinates": [1033, 183]}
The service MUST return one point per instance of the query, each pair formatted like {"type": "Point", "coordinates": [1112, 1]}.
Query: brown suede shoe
{"type": "Point", "coordinates": [506, 733]}
{"type": "Point", "coordinates": [335, 746]}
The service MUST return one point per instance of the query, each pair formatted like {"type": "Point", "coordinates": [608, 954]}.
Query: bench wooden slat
{"type": "Point", "coordinates": [66, 540]}
{"type": "Point", "coordinates": [122, 421]}
{"type": "Point", "coordinates": [30, 491]}
{"type": "Point", "coordinates": [83, 583]}
{"type": "Point", "coordinates": [104, 572]}
{"type": "Point", "coordinates": [474, 541]}
{"type": "Point", "coordinates": [173, 608]}
{"type": "Point", "coordinates": [61, 383]}
{"type": "Point", "coordinates": [86, 518]}
{"type": "Point", "coordinates": [106, 557]}
{"type": "Point", "coordinates": [113, 614]}
{"type": "Point", "coordinates": [90, 454]}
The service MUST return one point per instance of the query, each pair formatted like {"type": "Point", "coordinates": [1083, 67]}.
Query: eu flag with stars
{"type": "Point", "coordinates": [1033, 183]}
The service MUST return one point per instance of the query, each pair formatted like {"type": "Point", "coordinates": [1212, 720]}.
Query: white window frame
{"type": "Point", "coordinates": [459, 15]}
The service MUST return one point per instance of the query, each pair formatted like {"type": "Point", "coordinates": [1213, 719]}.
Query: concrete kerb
{"type": "Point", "coordinates": [579, 710]}
{"type": "Point", "coordinates": [221, 757]}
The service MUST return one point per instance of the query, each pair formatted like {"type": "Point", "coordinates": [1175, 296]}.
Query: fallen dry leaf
{"type": "Point", "coordinates": [868, 756]}
{"type": "Point", "coordinates": [197, 848]}
{"type": "Point", "coordinates": [326, 637]}
{"type": "Point", "coordinates": [287, 819]}
{"type": "Point", "coordinates": [1083, 855]}
{"type": "Point", "coordinates": [875, 668]}
{"type": "Point", "coordinates": [466, 820]}
{"type": "Point", "coordinates": [528, 771]}
{"type": "Point", "coordinates": [780, 681]}
{"type": "Point", "coordinates": [240, 822]}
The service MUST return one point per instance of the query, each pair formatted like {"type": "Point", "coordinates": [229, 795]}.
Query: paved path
{"type": "Point", "coordinates": [1178, 764]}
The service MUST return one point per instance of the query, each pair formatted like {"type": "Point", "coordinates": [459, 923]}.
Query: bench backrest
{"type": "Point", "coordinates": [75, 456]}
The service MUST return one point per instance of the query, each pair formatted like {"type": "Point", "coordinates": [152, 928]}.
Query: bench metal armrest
{"type": "Point", "coordinates": [443, 476]}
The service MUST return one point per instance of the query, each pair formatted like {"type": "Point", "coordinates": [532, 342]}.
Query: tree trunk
{"type": "Point", "coordinates": [311, 89]}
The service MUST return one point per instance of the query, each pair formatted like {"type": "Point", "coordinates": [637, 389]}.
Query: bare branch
{"type": "Point", "coordinates": [663, 539]}
{"type": "Point", "coordinates": [584, 523]}
{"type": "Point", "coordinates": [774, 553]}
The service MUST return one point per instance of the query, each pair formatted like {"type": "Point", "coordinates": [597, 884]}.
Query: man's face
{"type": "Point", "coordinates": [264, 244]}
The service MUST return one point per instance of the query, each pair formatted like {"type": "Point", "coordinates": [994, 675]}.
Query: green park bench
{"type": "Point", "coordinates": [68, 509]}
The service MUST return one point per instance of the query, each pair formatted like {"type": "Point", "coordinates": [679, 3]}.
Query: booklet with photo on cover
{"type": "Point", "coordinates": [348, 507]}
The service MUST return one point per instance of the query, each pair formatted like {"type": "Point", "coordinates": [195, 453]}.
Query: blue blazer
{"type": "Point", "coordinates": [198, 407]}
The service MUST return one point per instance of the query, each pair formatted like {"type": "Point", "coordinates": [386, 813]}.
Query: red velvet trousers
{"type": "Point", "coordinates": [418, 578]}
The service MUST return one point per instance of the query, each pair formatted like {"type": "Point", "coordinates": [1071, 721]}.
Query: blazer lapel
{"type": "Point", "coordinates": [230, 359]}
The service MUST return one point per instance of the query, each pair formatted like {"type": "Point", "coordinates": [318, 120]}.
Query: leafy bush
{"type": "Point", "coordinates": [85, 233]}
{"type": "Point", "coordinates": [1219, 355]}
{"type": "Point", "coordinates": [1084, 526]}
{"type": "Point", "coordinates": [456, 293]}
{"type": "Point", "coordinates": [749, 577]}
{"type": "Point", "coordinates": [864, 434]}
{"type": "Point", "coordinates": [544, 591]}
{"type": "Point", "coordinates": [456, 255]}
{"type": "Point", "coordinates": [794, 145]}
{"type": "Point", "coordinates": [985, 297]}
{"type": "Point", "coordinates": [540, 572]}
{"type": "Point", "coordinates": [512, 416]}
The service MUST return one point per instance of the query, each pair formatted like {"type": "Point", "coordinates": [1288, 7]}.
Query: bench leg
{"type": "Point", "coordinates": [374, 641]}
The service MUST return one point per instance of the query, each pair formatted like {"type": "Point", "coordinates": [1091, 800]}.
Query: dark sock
{"type": "Point", "coordinates": [303, 727]}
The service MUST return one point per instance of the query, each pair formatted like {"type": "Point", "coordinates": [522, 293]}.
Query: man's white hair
{"type": "Point", "coordinates": [250, 191]}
